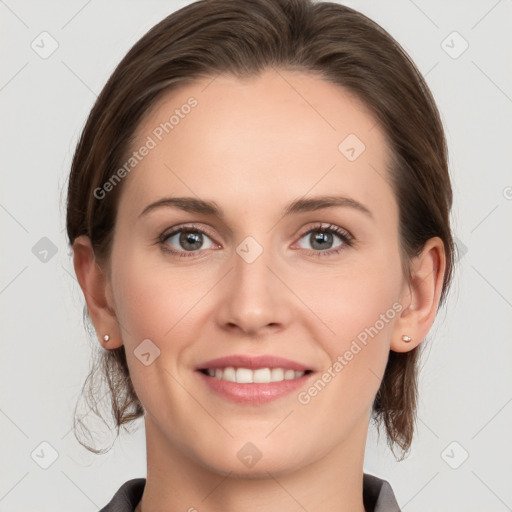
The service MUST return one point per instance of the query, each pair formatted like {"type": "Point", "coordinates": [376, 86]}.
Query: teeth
{"type": "Point", "coordinates": [229, 374]}
{"type": "Point", "coordinates": [243, 375]}
{"type": "Point", "coordinates": [277, 374]}
{"type": "Point", "coordinates": [289, 374]}
{"type": "Point", "coordinates": [248, 376]}
{"type": "Point", "coordinates": [262, 375]}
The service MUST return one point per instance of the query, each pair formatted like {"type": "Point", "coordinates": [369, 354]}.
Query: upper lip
{"type": "Point", "coordinates": [253, 362]}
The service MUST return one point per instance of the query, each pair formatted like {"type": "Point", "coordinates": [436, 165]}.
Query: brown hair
{"type": "Point", "coordinates": [244, 38]}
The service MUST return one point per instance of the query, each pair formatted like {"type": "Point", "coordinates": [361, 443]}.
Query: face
{"type": "Point", "coordinates": [254, 277]}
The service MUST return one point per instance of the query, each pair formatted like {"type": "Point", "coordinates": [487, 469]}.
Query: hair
{"type": "Point", "coordinates": [335, 42]}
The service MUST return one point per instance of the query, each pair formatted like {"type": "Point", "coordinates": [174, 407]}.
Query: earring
{"type": "Point", "coordinates": [406, 338]}
{"type": "Point", "coordinates": [106, 337]}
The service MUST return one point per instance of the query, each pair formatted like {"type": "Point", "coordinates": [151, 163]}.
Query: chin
{"type": "Point", "coordinates": [244, 459]}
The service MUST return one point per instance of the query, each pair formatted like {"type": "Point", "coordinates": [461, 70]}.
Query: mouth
{"type": "Point", "coordinates": [253, 380]}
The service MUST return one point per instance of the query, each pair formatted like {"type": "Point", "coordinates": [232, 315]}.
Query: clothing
{"type": "Point", "coordinates": [378, 496]}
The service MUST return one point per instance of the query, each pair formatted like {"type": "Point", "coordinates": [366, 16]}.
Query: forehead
{"type": "Point", "coordinates": [257, 141]}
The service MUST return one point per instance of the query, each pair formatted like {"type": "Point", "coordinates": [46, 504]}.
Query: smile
{"type": "Point", "coordinates": [250, 376]}
{"type": "Point", "coordinates": [253, 380]}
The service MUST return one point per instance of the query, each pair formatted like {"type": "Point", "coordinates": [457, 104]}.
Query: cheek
{"type": "Point", "coordinates": [150, 298]}
{"type": "Point", "coordinates": [360, 308]}
{"type": "Point", "coordinates": [151, 304]}
{"type": "Point", "coordinates": [359, 300]}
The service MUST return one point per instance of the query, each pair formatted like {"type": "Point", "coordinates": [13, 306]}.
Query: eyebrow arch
{"type": "Point", "coordinates": [195, 205]}
{"type": "Point", "coordinates": [320, 202]}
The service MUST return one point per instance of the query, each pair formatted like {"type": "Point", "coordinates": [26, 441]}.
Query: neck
{"type": "Point", "coordinates": [176, 482]}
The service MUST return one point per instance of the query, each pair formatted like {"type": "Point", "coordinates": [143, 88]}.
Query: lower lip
{"type": "Point", "coordinates": [253, 393]}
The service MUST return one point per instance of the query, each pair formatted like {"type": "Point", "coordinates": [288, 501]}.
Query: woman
{"type": "Point", "coordinates": [258, 209]}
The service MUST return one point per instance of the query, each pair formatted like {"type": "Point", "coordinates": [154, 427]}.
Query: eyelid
{"type": "Point", "coordinates": [326, 226]}
{"type": "Point", "coordinates": [182, 227]}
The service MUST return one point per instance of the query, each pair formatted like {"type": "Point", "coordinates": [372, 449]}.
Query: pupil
{"type": "Point", "coordinates": [322, 239]}
{"type": "Point", "coordinates": [190, 240]}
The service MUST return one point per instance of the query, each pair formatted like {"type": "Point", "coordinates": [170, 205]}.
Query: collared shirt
{"type": "Point", "coordinates": [378, 496]}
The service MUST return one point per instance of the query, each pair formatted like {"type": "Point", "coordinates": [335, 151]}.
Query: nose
{"type": "Point", "coordinates": [254, 300]}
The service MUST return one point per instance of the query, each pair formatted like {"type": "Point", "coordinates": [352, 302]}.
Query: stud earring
{"type": "Point", "coordinates": [406, 338]}
{"type": "Point", "coordinates": [106, 337]}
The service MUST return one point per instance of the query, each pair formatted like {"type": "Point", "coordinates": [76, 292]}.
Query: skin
{"type": "Point", "coordinates": [253, 146]}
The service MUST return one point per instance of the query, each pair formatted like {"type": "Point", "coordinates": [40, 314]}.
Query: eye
{"type": "Point", "coordinates": [185, 241]}
{"type": "Point", "coordinates": [321, 239]}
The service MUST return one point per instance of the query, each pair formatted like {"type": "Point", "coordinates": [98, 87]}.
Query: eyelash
{"type": "Point", "coordinates": [347, 239]}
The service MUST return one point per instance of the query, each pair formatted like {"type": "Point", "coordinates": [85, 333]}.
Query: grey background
{"type": "Point", "coordinates": [465, 383]}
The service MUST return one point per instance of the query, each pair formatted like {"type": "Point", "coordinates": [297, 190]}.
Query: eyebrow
{"type": "Point", "coordinates": [195, 205]}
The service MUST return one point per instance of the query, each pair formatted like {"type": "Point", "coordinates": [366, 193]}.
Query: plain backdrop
{"type": "Point", "coordinates": [56, 57]}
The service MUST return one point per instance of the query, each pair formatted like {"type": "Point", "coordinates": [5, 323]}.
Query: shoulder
{"type": "Point", "coordinates": [127, 497]}
{"type": "Point", "coordinates": [378, 496]}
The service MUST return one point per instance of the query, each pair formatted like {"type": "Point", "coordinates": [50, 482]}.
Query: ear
{"type": "Point", "coordinates": [97, 291]}
{"type": "Point", "coordinates": [420, 296]}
